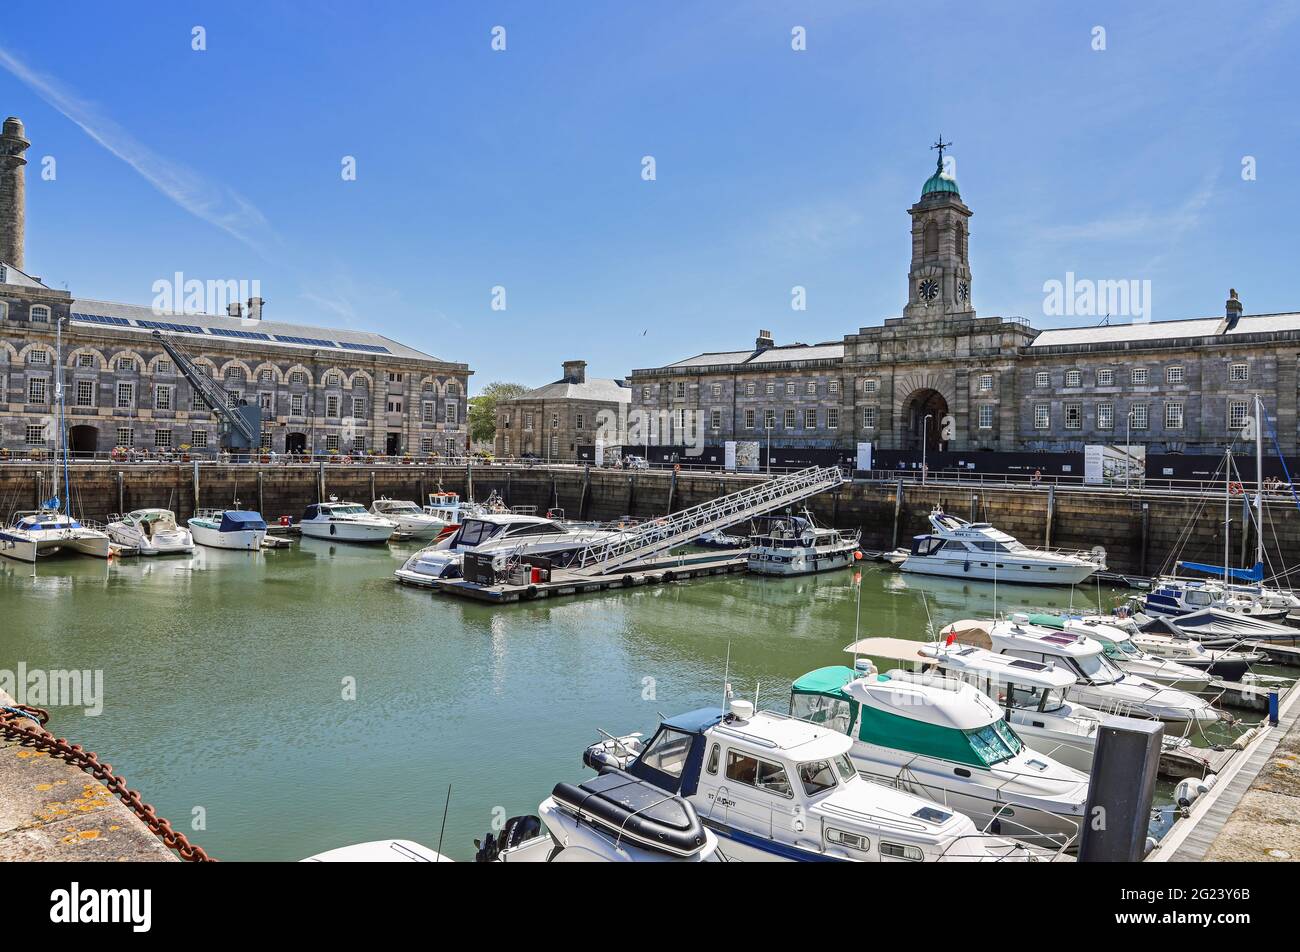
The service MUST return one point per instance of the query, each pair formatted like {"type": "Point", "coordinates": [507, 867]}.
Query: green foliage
{"type": "Point", "coordinates": [483, 409]}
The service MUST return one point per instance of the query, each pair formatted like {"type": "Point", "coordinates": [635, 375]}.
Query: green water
{"type": "Point", "coordinates": [224, 679]}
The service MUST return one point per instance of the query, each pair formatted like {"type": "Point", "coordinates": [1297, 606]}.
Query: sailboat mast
{"type": "Point", "coordinates": [1259, 483]}
{"type": "Point", "coordinates": [1227, 511]}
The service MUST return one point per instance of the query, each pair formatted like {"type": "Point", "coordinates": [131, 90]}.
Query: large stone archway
{"type": "Point", "coordinates": [83, 440]}
{"type": "Point", "coordinates": [922, 420]}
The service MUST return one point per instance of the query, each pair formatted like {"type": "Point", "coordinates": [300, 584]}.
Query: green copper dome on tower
{"type": "Point", "coordinates": [939, 182]}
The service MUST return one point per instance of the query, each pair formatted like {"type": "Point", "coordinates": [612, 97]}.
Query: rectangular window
{"type": "Point", "coordinates": [770, 388]}
{"type": "Point", "coordinates": [453, 412]}
{"type": "Point", "coordinates": [1074, 416]}
{"type": "Point", "coordinates": [426, 445]}
{"type": "Point", "coordinates": [85, 361]}
{"type": "Point", "coordinates": [579, 420]}
{"type": "Point", "coordinates": [716, 389]}
{"type": "Point", "coordinates": [1042, 379]}
{"type": "Point", "coordinates": [528, 420]}
{"type": "Point", "coordinates": [1140, 416]}
{"type": "Point", "coordinates": [811, 389]}
{"type": "Point", "coordinates": [332, 443]}
{"type": "Point", "coordinates": [1173, 375]}
{"type": "Point", "coordinates": [789, 419]}
{"type": "Point", "coordinates": [332, 403]}
{"type": "Point", "coordinates": [833, 418]}
{"type": "Point", "coordinates": [297, 377]}
{"type": "Point", "coordinates": [645, 394]}
{"type": "Point", "coordinates": [749, 389]}
{"type": "Point", "coordinates": [833, 387]}
{"type": "Point", "coordinates": [752, 772]}
{"type": "Point", "coordinates": [163, 367]}
{"type": "Point", "coordinates": [266, 439]}
{"type": "Point", "coordinates": [125, 396]}
{"type": "Point", "coordinates": [40, 314]}
{"type": "Point", "coordinates": [679, 390]}
{"type": "Point", "coordinates": [679, 421]}
{"type": "Point", "coordinates": [769, 419]}
{"type": "Point", "coordinates": [162, 439]}
{"type": "Point", "coordinates": [1105, 378]}
{"type": "Point", "coordinates": [715, 419]}
{"type": "Point", "coordinates": [267, 376]}
{"type": "Point", "coordinates": [162, 400]}
{"type": "Point", "coordinates": [359, 443]}
{"type": "Point", "coordinates": [35, 435]}
{"type": "Point", "coordinates": [810, 419]}
{"type": "Point", "coordinates": [232, 398]}
{"type": "Point", "coordinates": [332, 380]}
{"type": "Point", "coordinates": [359, 407]}
{"type": "Point", "coordinates": [555, 420]}
{"type": "Point", "coordinates": [869, 418]}
{"type": "Point", "coordinates": [1237, 415]}
{"type": "Point", "coordinates": [1239, 372]}
{"type": "Point", "coordinates": [505, 446]}
{"type": "Point", "coordinates": [264, 401]}
{"type": "Point", "coordinates": [749, 419]}
{"type": "Point", "coordinates": [789, 388]}
{"type": "Point", "coordinates": [234, 373]}
{"type": "Point", "coordinates": [125, 436]}
{"type": "Point", "coordinates": [1042, 416]}
{"type": "Point", "coordinates": [199, 439]}
{"type": "Point", "coordinates": [394, 377]}
{"type": "Point", "coordinates": [1105, 416]}
{"type": "Point", "coordinates": [986, 382]}
{"type": "Point", "coordinates": [427, 412]}
{"type": "Point", "coordinates": [395, 405]}
{"type": "Point", "coordinates": [1074, 378]}
{"type": "Point", "coordinates": [125, 364]}
{"type": "Point", "coordinates": [1174, 415]}
{"type": "Point", "coordinates": [986, 417]}
{"type": "Point", "coordinates": [36, 390]}
{"type": "Point", "coordinates": [870, 386]}
{"type": "Point", "coordinates": [1139, 375]}
{"type": "Point", "coordinates": [295, 405]}
{"type": "Point", "coordinates": [38, 358]}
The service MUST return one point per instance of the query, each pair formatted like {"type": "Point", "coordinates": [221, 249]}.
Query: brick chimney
{"type": "Point", "coordinates": [234, 309]}
{"type": "Point", "coordinates": [575, 371]}
{"type": "Point", "coordinates": [13, 192]}
{"type": "Point", "coordinates": [764, 341]}
{"type": "Point", "coordinates": [255, 309]}
{"type": "Point", "coordinates": [1232, 308]}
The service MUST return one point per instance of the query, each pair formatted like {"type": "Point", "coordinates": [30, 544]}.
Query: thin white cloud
{"type": "Point", "coordinates": [208, 201]}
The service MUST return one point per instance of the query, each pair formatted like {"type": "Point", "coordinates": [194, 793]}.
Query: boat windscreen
{"type": "Point", "coordinates": [476, 531]}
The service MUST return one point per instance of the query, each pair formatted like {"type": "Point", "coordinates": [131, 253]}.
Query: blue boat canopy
{"type": "Point", "coordinates": [237, 520]}
{"type": "Point", "coordinates": [1253, 574]}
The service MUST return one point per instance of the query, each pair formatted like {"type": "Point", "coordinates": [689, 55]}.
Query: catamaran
{"type": "Point", "coordinates": [975, 550]}
{"type": "Point", "coordinates": [776, 788]}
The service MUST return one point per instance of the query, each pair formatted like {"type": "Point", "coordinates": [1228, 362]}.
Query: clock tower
{"type": "Point", "coordinates": [939, 284]}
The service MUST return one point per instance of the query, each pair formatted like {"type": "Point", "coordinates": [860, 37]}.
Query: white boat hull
{"type": "Point", "coordinates": [24, 548]}
{"type": "Point", "coordinates": [173, 542]}
{"type": "Point", "coordinates": [1012, 571]}
{"type": "Point", "coordinates": [338, 531]}
{"type": "Point", "coordinates": [245, 539]}
{"type": "Point", "coordinates": [801, 561]}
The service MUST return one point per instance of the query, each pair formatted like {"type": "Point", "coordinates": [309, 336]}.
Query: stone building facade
{"type": "Point", "coordinates": [554, 421]}
{"type": "Point", "coordinates": [323, 391]}
{"type": "Point", "coordinates": [944, 377]}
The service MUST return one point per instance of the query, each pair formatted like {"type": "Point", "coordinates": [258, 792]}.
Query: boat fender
{"type": "Point", "coordinates": [530, 591]}
{"type": "Point", "coordinates": [1191, 789]}
{"type": "Point", "coordinates": [333, 529]}
{"type": "Point", "coordinates": [626, 581]}
{"type": "Point", "coordinates": [669, 576]}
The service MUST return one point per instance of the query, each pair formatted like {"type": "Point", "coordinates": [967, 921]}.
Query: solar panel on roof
{"type": "Point", "coordinates": [245, 335]}
{"type": "Point", "coordinates": [1031, 665]}
{"type": "Point", "coordinates": [102, 319]}
{"type": "Point", "coordinates": [311, 341]}
{"type": "Point", "coordinates": [165, 326]}
{"type": "Point", "coordinates": [368, 348]}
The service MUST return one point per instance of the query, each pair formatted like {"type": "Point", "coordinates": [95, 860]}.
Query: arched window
{"type": "Point", "coordinates": [961, 240]}
{"type": "Point", "coordinates": [931, 238]}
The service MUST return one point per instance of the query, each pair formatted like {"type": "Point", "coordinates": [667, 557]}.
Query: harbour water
{"type": "Point", "coordinates": [298, 700]}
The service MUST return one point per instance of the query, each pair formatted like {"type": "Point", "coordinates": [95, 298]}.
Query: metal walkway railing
{"type": "Point", "coordinates": [643, 541]}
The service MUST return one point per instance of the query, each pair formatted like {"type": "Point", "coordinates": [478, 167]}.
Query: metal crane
{"type": "Point", "coordinates": [239, 427]}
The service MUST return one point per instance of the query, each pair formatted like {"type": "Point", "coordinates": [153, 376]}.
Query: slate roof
{"type": "Point", "coordinates": [768, 355]}
{"type": "Point", "coordinates": [595, 388]}
{"type": "Point", "coordinates": [1166, 330]}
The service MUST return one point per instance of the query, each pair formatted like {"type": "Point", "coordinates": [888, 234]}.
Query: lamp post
{"type": "Point", "coordinates": [925, 440]}
{"type": "Point", "coordinates": [767, 425]}
{"type": "Point", "coordinates": [1128, 446]}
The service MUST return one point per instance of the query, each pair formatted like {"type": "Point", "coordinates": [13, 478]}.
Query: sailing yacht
{"type": "Point", "coordinates": [52, 528]}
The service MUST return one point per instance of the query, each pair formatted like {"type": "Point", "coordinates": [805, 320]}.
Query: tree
{"type": "Point", "coordinates": [483, 409]}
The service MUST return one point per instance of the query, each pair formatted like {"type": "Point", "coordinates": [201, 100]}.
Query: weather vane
{"type": "Point", "coordinates": [941, 145]}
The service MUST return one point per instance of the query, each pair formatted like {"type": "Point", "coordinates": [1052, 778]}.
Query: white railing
{"type": "Point", "coordinates": [647, 539]}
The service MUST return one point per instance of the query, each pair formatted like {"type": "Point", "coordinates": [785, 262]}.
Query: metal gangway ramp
{"type": "Point", "coordinates": [643, 541]}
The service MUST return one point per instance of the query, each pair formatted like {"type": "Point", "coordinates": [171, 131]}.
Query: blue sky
{"type": "Point", "coordinates": [774, 168]}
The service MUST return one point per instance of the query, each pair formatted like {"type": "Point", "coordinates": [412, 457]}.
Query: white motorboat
{"type": "Point", "coordinates": [150, 532]}
{"type": "Point", "coordinates": [1224, 663]}
{"type": "Point", "coordinates": [48, 531]}
{"type": "Point", "coordinates": [345, 522]}
{"type": "Point", "coordinates": [1216, 628]}
{"type": "Point", "coordinates": [975, 550]}
{"type": "Point", "coordinates": [1118, 646]}
{"type": "Point", "coordinates": [379, 851]}
{"type": "Point", "coordinates": [796, 545]}
{"type": "Point", "coordinates": [776, 788]}
{"type": "Point", "coordinates": [501, 535]}
{"type": "Point", "coordinates": [228, 529]}
{"type": "Point", "coordinates": [411, 520]}
{"type": "Point", "coordinates": [1099, 683]}
{"type": "Point", "coordinates": [942, 739]}
{"type": "Point", "coordinates": [1176, 597]}
{"type": "Point", "coordinates": [1031, 695]}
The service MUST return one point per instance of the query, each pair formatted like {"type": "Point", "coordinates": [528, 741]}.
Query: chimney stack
{"type": "Point", "coordinates": [13, 192]}
{"type": "Point", "coordinates": [575, 371]}
{"type": "Point", "coordinates": [234, 309]}
{"type": "Point", "coordinates": [1232, 308]}
{"type": "Point", "coordinates": [764, 341]}
{"type": "Point", "coordinates": [255, 309]}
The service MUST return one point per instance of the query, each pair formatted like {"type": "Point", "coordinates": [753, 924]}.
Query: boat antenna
{"type": "Point", "coordinates": [757, 685]}
{"type": "Point", "coordinates": [726, 673]}
{"type": "Point", "coordinates": [445, 807]}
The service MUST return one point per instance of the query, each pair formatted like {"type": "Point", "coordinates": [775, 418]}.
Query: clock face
{"type": "Point", "coordinates": [963, 292]}
{"type": "Point", "coordinates": [928, 289]}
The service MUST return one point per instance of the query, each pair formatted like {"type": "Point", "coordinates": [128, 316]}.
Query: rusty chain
{"type": "Point", "coordinates": [12, 723]}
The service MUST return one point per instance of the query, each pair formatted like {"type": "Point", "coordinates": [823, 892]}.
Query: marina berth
{"type": "Point", "coordinates": [1175, 597]}
{"type": "Point", "coordinates": [49, 531]}
{"type": "Point", "coordinates": [940, 738]}
{"type": "Point", "coordinates": [228, 529]}
{"type": "Point", "coordinates": [150, 532]}
{"type": "Point", "coordinates": [345, 522]}
{"type": "Point", "coordinates": [1216, 628]}
{"type": "Point", "coordinates": [1100, 683]}
{"type": "Point", "coordinates": [976, 550]}
{"type": "Point", "coordinates": [796, 545]}
{"type": "Point", "coordinates": [1119, 648]}
{"type": "Point", "coordinates": [776, 788]}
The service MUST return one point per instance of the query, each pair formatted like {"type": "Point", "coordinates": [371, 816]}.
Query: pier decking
{"type": "Point", "coordinates": [51, 810]}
